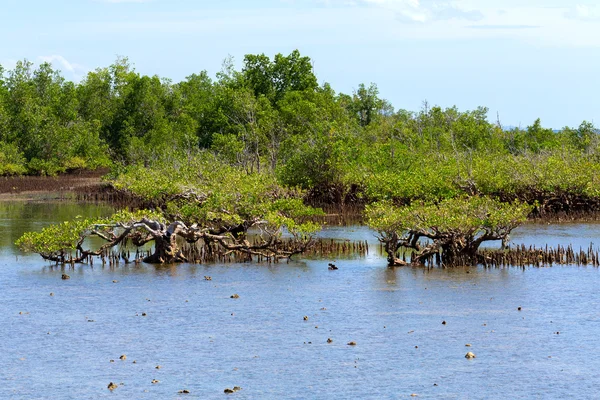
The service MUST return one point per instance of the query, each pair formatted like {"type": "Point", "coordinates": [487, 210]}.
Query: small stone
{"type": "Point", "coordinates": [158, 367]}
{"type": "Point", "coordinates": [468, 345]}
{"type": "Point", "coordinates": [184, 391]}
{"type": "Point", "coordinates": [115, 281]}
{"type": "Point", "coordinates": [329, 340]}
{"type": "Point", "coordinates": [235, 296]}
{"type": "Point", "coordinates": [155, 381]}
{"type": "Point", "coordinates": [416, 347]}
{"type": "Point", "coordinates": [112, 360]}
{"type": "Point", "coordinates": [144, 314]}
{"type": "Point", "coordinates": [469, 355]}
{"type": "Point", "coordinates": [65, 276]}
{"type": "Point", "coordinates": [112, 386]}
{"type": "Point", "coordinates": [237, 388]}
{"type": "Point", "coordinates": [51, 294]}
{"type": "Point", "coordinates": [519, 308]}
{"type": "Point", "coordinates": [90, 320]}
{"type": "Point", "coordinates": [134, 362]}
{"type": "Point", "coordinates": [123, 357]}
{"type": "Point", "coordinates": [443, 322]}
{"type": "Point", "coordinates": [351, 343]}
{"type": "Point", "coordinates": [207, 278]}
{"type": "Point", "coordinates": [227, 390]}
{"type": "Point", "coordinates": [306, 318]}
{"type": "Point", "coordinates": [414, 395]}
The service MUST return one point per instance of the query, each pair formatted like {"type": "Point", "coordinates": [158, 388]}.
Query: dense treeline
{"type": "Point", "coordinates": [274, 117]}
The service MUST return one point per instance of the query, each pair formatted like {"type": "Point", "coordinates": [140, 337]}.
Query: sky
{"type": "Point", "coordinates": [523, 59]}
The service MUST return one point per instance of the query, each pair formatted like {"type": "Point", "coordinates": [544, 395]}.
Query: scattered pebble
{"type": "Point", "coordinates": [519, 309]}
{"type": "Point", "coordinates": [306, 318]}
{"type": "Point", "coordinates": [469, 355]}
{"type": "Point", "coordinates": [443, 322]}
{"type": "Point", "coordinates": [123, 357]}
{"type": "Point", "coordinates": [329, 340]}
{"type": "Point", "coordinates": [115, 281]}
{"type": "Point", "coordinates": [468, 345]}
{"type": "Point", "coordinates": [144, 314]}
{"type": "Point", "coordinates": [235, 296]}
{"type": "Point", "coordinates": [155, 381]}
{"type": "Point", "coordinates": [158, 367]}
{"type": "Point", "coordinates": [227, 390]}
{"type": "Point", "coordinates": [351, 343]}
{"type": "Point", "coordinates": [237, 388]}
{"type": "Point", "coordinates": [112, 386]}
{"type": "Point", "coordinates": [51, 294]}
{"type": "Point", "coordinates": [184, 391]}
{"type": "Point", "coordinates": [414, 395]}
{"type": "Point", "coordinates": [65, 276]}
{"type": "Point", "coordinates": [207, 278]}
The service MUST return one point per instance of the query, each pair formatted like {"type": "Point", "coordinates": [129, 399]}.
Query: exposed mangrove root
{"type": "Point", "coordinates": [213, 252]}
{"type": "Point", "coordinates": [522, 256]}
{"type": "Point", "coordinates": [519, 256]}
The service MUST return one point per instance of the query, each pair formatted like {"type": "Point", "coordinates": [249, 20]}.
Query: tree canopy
{"type": "Point", "coordinates": [197, 203]}
{"type": "Point", "coordinates": [452, 230]}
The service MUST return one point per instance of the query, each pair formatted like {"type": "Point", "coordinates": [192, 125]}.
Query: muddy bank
{"type": "Point", "coordinates": [52, 187]}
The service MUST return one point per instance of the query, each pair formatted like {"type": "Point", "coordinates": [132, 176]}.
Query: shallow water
{"type": "Point", "coordinates": [61, 346]}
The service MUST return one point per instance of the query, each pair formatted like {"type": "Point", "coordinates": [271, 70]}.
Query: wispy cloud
{"type": "Point", "coordinates": [422, 11]}
{"type": "Point", "coordinates": [503, 26]}
{"type": "Point", "coordinates": [124, 1]}
{"type": "Point", "coordinates": [584, 12]}
{"type": "Point", "coordinates": [76, 70]}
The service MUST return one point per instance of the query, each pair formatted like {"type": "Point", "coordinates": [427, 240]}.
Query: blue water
{"type": "Point", "coordinates": [61, 346]}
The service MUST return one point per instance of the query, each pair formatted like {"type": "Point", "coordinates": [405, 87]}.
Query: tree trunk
{"type": "Point", "coordinates": [165, 251]}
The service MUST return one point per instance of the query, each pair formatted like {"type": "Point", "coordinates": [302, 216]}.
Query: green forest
{"type": "Point", "coordinates": [274, 117]}
{"type": "Point", "coordinates": [258, 148]}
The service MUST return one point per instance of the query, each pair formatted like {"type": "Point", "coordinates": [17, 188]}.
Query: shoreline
{"type": "Point", "coordinates": [28, 188]}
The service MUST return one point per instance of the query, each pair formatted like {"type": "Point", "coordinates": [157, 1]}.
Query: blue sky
{"type": "Point", "coordinates": [523, 59]}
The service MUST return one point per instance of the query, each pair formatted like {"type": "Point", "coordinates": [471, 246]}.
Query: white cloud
{"type": "Point", "coordinates": [422, 11]}
{"type": "Point", "coordinates": [76, 70]}
{"type": "Point", "coordinates": [584, 12]}
{"type": "Point", "coordinates": [124, 1]}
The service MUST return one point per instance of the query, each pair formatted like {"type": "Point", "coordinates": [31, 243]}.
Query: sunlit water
{"type": "Point", "coordinates": [61, 346]}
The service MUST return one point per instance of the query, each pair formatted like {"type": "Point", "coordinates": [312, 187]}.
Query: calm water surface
{"type": "Point", "coordinates": [61, 346]}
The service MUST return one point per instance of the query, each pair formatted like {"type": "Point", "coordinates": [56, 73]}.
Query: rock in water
{"type": "Point", "coordinates": [112, 386]}
{"type": "Point", "coordinates": [470, 355]}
